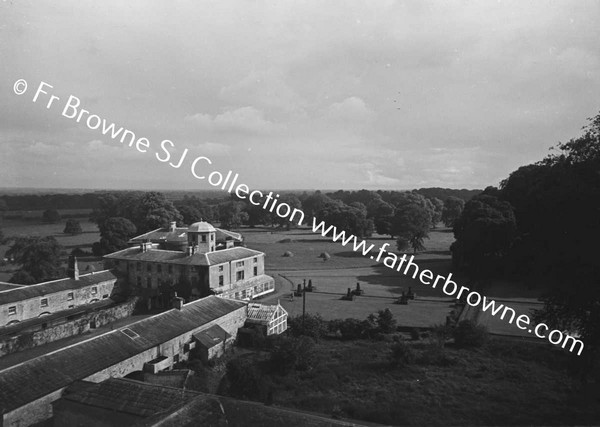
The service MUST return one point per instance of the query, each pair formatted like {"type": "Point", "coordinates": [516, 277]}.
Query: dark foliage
{"type": "Point", "coordinates": [469, 334]}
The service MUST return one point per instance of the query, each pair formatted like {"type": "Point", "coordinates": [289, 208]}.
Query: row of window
{"type": "Point", "coordinates": [12, 310]}
{"type": "Point", "coordinates": [138, 267]}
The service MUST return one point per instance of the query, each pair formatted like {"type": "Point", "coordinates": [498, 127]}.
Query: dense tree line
{"type": "Point", "coordinates": [542, 225]}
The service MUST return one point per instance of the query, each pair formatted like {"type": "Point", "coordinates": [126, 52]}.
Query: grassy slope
{"type": "Point", "coordinates": [505, 383]}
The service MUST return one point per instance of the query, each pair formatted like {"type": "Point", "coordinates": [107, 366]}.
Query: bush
{"type": "Point", "coordinates": [402, 354]}
{"type": "Point", "coordinates": [293, 353]}
{"type": "Point", "coordinates": [72, 227]}
{"type": "Point", "coordinates": [386, 323]}
{"type": "Point", "coordinates": [440, 334]}
{"type": "Point", "coordinates": [51, 215]}
{"type": "Point", "coordinates": [313, 326]}
{"type": "Point", "coordinates": [469, 334]}
{"type": "Point", "coordinates": [415, 335]}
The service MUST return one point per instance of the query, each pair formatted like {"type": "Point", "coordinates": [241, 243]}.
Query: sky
{"type": "Point", "coordinates": [348, 94]}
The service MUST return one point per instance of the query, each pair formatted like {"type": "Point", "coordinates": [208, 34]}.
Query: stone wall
{"type": "Point", "coordinates": [67, 328]}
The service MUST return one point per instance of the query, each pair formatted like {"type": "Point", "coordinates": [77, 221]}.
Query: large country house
{"type": "Point", "coordinates": [194, 262]}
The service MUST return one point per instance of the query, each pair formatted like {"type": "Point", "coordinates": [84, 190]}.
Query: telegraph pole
{"type": "Point", "coordinates": [303, 303]}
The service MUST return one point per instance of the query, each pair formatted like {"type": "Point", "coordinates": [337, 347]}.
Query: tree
{"type": "Point", "coordinates": [383, 214]}
{"type": "Point", "coordinates": [232, 215]}
{"type": "Point", "coordinates": [484, 233]}
{"type": "Point", "coordinates": [154, 211]}
{"type": "Point", "coordinates": [190, 214]}
{"type": "Point", "coordinates": [453, 207]}
{"type": "Point", "coordinates": [51, 215]}
{"type": "Point", "coordinates": [39, 258]}
{"type": "Point", "coordinates": [114, 234]}
{"type": "Point", "coordinates": [72, 227]}
{"type": "Point", "coordinates": [411, 224]}
{"type": "Point", "coordinates": [438, 209]}
{"type": "Point", "coordinates": [386, 323]}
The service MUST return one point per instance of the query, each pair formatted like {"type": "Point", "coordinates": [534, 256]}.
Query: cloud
{"type": "Point", "coordinates": [352, 109]}
{"type": "Point", "coordinates": [241, 120]}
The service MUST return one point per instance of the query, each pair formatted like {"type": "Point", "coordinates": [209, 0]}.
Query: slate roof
{"type": "Point", "coordinates": [9, 286]}
{"type": "Point", "coordinates": [35, 378]}
{"type": "Point", "coordinates": [182, 258]}
{"type": "Point", "coordinates": [161, 235]}
{"type": "Point", "coordinates": [212, 336]}
{"type": "Point", "coordinates": [129, 396]}
{"type": "Point", "coordinates": [47, 288]}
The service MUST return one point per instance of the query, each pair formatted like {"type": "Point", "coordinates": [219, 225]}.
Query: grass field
{"type": "Point", "coordinates": [504, 383]}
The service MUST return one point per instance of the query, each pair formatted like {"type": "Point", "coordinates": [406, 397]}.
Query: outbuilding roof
{"type": "Point", "coordinates": [35, 378]}
{"type": "Point", "coordinates": [261, 313]}
{"type": "Point", "coordinates": [46, 288]}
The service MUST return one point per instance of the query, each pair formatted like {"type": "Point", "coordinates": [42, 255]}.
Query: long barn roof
{"type": "Point", "coordinates": [25, 382]}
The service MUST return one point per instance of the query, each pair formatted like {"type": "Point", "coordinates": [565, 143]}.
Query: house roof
{"type": "Point", "coordinates": [46, 288]}
{"type": "Point", "coordinates": [261, 313]}
{"type": "Point", "coordinates": [179, 235]}
{"type": "Point", "coordinates": [59, 369]}
{"type": "Point", "coordinates": [9, 286]}
{"type": "Point", "coordinates": [212, 336]}
{"type": "Point", "coordinates": [182, 258]}
{"type": "Point", "coordinates": [201, 227]}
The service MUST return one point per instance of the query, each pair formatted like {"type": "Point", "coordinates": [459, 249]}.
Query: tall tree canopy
{"type": "Point", "coordinates": [114, 234]}
{"type": "Point", "coordinates": [39, 258]}
{"type": "Point", "coordinates": [453, 207]}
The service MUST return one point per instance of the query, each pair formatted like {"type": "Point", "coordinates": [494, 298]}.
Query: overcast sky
{"type": "Point", "coordinates": [295, 94]}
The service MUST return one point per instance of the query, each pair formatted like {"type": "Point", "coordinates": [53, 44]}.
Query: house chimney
{"type": "Point", "coordinates": [190, 250]}
{"type": "Point", "coordinates": [73, 268]}
{"type": "Point", "coordinates": [173, 226]}
{"type": "Point", "coordinates": [177, 302]}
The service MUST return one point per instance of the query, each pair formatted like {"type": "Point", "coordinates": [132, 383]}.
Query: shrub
{"type": "Point", "coordinates": [440, 334]}
{"type": "Point", "coordinates": [385, 321]}
{"type": "Point", "coordinates": [72, 227]}
{"type": "Point", "coordinates": [313, 326]}
{"type": "Point", "coordinates": [401, 354]}
{"type": "Point", "coordinates": [415, 335]}
{"type": "Point", "coordinates": [293, 353]}
{"type": "Point", "coordinates": [469, 334]}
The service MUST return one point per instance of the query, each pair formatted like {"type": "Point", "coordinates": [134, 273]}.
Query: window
{"type": "Point", "coordinates": [220, 268]}
{"type": "Point", "coordinates": [240, 275]}
{"type": "Point", "coordinates": [239, 264]}
{"type": "Point", "coordinates": [70, 306]}
{"type": "Point", "coordinates": [149, 282]}
{"type": "Point", "coordinates": [94, 290]}
{"type": "Point", "coordinates": [104, 296]}
{"type": "Point", "coordinates": [44, 302]}
{"type": "Point", "coordinates": [138, 266]}
{"type": "Point", "coordinates": [212, 237]}
{"type": "Point", "coordinates": [204, 238]}
{"type": "Point", "coordinates": [139, 282]}
{"type": "Point", "coordinates": [159, 268]}
{"type": "Point", "coordinates": [170, 269]}
{"type": "Point", "coordinates": [221, 280]}
{"type": "Point", "coordinates": [255, 260]}
{"type": "Point", "coordinates": [70, 296]}
{"type": "Point", "coordinates": [256, 271]}
{"type": "Point", "coordinates": [12, 310]}
{"type": "Point", "coordinates": [149, 268]}
{"type": "Point", "coordinates": [116, 263]}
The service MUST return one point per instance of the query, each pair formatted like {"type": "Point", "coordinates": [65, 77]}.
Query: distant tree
{"type": "Point", "coordinates": [51, 215]}
{"type": "Point", "coordinates": [190, 214]}
{"type": "Point", "coordinates": [469, 334]}
{"type": "Point", "coordinates": [232, 215]}
{"type": "Point", "coordinates": [3, 208]}
{"type": "Point", "coordinates": [154, 211]}
{"type": "Point", "coordinates": [383, 215]}
{"type": "Point", "coordinates": [294, 203]}
{"type": "Point", "coordinates": [438, 209]}
{"type": "Point", "coordinates": [411, 224]}
{"type": "Point", "coordinates": [72, 227]}
{"type": "Point", "coordinates": [39, 258]}
{"type": "Point", "coordinates": [351, 219]}
{"type": "Point", "coordinates": [453, 207]}
{"type": "Point", "coordinates": [114, 234]}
